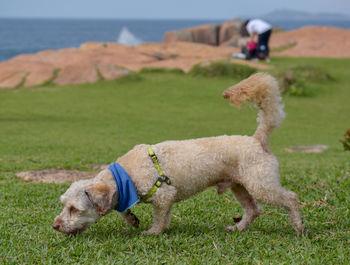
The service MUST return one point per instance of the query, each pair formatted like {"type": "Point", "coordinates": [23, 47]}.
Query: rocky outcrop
{"type": "Point", "coordinates": [95, 61]}
{"type": "Point", "coordinates": [78, 73]}
{"type": "Point", "coordinates": [110, 72]}
{"type": "Point", "coordinates": [212, 34]}
{"type": "Point", "coordinates": [39, 74]}
{"type": "Point", "coordinates": [229, 33]}
{"type": "Point", "coordinates": [207, 34]}
{"type": "Point", "coordinates": [312, 41]}
{"type": "Point", "coordinates": [11, 76]}
{"type": "Point", "coordinates": [178, 35]}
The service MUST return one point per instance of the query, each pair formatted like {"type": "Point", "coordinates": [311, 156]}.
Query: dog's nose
{"type": "Point", "coordinates": [55, 226]}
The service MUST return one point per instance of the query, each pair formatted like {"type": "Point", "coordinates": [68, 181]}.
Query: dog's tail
{"type": "Point", "coordinates": [261, 89]}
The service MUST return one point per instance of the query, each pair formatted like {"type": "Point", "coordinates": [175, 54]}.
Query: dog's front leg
{"type": "Point", "coordinates": [162, 214]}
{"type": "Point", "coordinates": [131, 218]}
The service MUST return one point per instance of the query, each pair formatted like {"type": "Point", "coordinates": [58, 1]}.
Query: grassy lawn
{"type": "Point", "coordinates": [72, 127]}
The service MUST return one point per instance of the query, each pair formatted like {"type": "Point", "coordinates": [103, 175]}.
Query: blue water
{"type": "Point", "coordinates": [32, 35]}
{"type": "Point", "coordinates": [19, 36]}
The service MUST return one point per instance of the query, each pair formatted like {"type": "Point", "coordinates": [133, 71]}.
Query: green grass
{"type": "Point", "coordinates": [73, 127]}
{"type": "Point", "coordinates": [221, 69]}
{"type": "Point", "coordinates": [295, 80]}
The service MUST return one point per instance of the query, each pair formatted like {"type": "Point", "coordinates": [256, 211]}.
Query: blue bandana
{"type": "Point", "coordinates": [127, 195]}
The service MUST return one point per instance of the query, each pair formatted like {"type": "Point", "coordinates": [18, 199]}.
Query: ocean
{"type": "Point", "coordinates": [19, 36]}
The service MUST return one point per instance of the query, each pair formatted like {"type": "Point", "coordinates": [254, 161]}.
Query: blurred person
{"type": "Point", "coordinates": [259, 32]}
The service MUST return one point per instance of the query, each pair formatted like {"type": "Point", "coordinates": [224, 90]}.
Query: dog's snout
{"type": "Point", "coordinates": [56, 226]}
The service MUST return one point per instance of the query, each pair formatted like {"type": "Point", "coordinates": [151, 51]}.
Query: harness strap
{"type": "Point", "coordinates": [162, 178]}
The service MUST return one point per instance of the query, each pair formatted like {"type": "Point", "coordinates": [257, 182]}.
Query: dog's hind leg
{"type": "Point", "coordinates": [288, 200]}
{"type": "Point", "coordinates": [251, 209]}
{"type": "Point", "coordinates": [162, 214]}
{"type": "Point", "coordinates": [270, 191]}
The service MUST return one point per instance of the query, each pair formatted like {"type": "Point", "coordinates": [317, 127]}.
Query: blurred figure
{"type": "Point", "coordinates": [259, 32]}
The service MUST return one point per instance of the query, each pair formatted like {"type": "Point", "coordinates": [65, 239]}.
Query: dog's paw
{"type": "Point", "coordinates": [231, 228]}
{"type": "Point", "coordinates": [300, 229]}
{"type": "Point", "coordinates": [241, 227]}
{"type": "Point", "coordinates": [151, 232]}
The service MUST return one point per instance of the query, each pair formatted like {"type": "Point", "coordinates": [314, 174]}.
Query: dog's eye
{"type": "Point", "coordinates": [73, 210]}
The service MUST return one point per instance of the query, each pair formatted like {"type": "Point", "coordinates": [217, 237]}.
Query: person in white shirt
{"type": "Point", "coordinates": [260, 32]}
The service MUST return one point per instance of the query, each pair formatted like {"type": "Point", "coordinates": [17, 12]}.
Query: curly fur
{"type": "Point", "coordinates": [242, 163]}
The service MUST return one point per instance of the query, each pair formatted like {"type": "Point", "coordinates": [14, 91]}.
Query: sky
{"type": "Point", "coordinates": [162, 9]}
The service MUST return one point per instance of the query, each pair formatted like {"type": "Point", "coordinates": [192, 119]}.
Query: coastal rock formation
{"type": "Point", "coordinates": [313, 41]}
{"type": "Point", "coordinates": [212, 34]}
{"type": "Point", "coordinates": [39, 73]}
{"type": "Point", "coordinates": [94, 61]}
{"type": "Point", "coordinates": [77, 73]}
{"type": "Point", "coordinates": [229, 33]}
{"type": "Point", "coordinates": [110, 72]}
{"type": "Point", "coordinates": [11, 76]}
{"type": "Point", "coordinates": [178, 35]}
{"type": "Point", "coordinates": [207, 34]}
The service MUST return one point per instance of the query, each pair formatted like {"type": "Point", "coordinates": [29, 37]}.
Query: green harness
{"type": "Point", "coordinates": [162, 178]}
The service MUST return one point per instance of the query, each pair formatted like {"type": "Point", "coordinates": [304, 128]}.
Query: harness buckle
{"type": "Point", "coordinates": [158, 182]}
{"type": "Point", "coordinates": [167, 180]}
{"type": "Point", "coordinates": [154, 158]}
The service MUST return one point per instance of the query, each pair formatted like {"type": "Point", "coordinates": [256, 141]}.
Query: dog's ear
{"type": "Point", "coordinates": [101, 197]}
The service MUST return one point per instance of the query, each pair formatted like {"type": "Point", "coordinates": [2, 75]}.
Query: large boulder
{"type": "Point", "coordinates": [11, 77]}
{"type": "Point", "coordinates": [38, 73]}
{"type": "Point", "coordinates": [79, 73]}
{"type": "Point", "coordinates": [230, 32]}
{"type": "Point", "coordinates": [178, 35]}
{"type": "Point", "coordinates": [207, 34]}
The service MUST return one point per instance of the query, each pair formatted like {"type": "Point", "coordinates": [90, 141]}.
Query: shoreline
{"type": "Point", "coordinates": [93, 60]}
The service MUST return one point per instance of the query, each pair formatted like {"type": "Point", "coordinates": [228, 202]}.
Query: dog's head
{"type": "Point", "coordinates": [84, 203]}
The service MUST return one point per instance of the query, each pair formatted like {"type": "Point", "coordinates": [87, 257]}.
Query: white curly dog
{"type": "Point", "coordinates": [242, 163]}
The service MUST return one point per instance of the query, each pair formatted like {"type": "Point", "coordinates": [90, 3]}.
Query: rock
{"type": "Point", "coordinates": [164, 56]}
{"type": "Point", "coordinates": [313, 41]}
{"type": "Point", "coordinates": [160, 55]}
{"type": "Point", "coordinates": [232, 42]}
{"type": "Point", "coordinates": [207, 34]}
{"type": "Point", "coordinates": [11, 78]}
{"type": "Point", "coordinates": [110, 72]}
{"type": "Point", "coordinates": [230, 31]}
{"type": "Point", "coordinates": [54, 176]}
{"type": "Point", "coordinates": [26, 178]}
{"type": "Point", "coordinates": [92, 45]}
{"type": "Point", "coordinates": [184, 64]}
{"type": "Point", "coordinates": [307, 149]}
{"type": "Point", "coordinates": [79, 73]}
{"type": "Point", "coordinates": [39, 74]}
{"type": "Point", "coordinates": [211, 34]}
{"type": "Point", "coordinates": [38, 78]}
{"type": "Point", "coordinates": [178, 35]}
